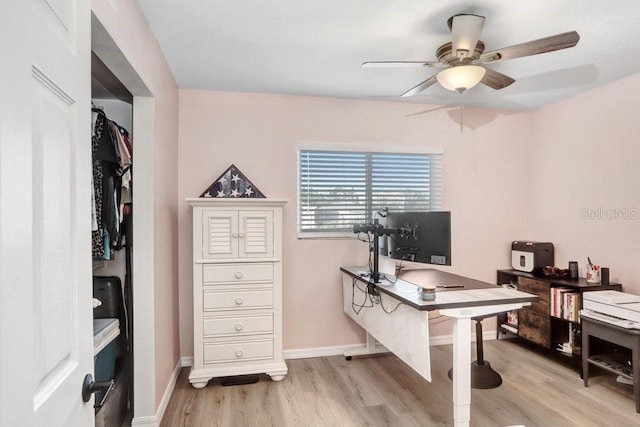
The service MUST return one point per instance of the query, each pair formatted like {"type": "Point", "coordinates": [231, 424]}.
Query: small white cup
{"type": "Point", "coordinates": [593, 276]}
{"type": "Point", "coordinates": [427, 293]}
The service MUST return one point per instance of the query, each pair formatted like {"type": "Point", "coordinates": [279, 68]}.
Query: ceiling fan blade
{"type": "Point", "coordinates": [420, 87]}
{"type": "Point", "coordinates": [400, 64]}
{"type": "Point", "coordinates": [465, 32]}
{"type": "Point", "coordinates": [431, 110]}
{"type": "Point", "coordinates": [534, 47]}
{"type": "Point", "coordinates": [496, 80]}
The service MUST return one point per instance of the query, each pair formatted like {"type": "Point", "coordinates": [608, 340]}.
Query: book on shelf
{"type": "Point", "coordinates": [557, 299]}
{"type": "Point", "coordinates": [571, 307]}
{"type": "Point", "coordinates": [565, 304]}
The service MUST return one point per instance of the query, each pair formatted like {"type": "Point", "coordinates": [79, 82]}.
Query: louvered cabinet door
{"type": "Point", "coordinates": [255, 234]}
{"type": "Point", "coordinates": [219, 234]}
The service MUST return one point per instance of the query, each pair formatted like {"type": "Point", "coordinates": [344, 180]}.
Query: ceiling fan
{"type": "Point", "coordinates": [463, 58]}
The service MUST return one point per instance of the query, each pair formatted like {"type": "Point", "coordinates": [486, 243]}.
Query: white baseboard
{"type": "Point", "coordinates": [448, 339]}
{"type": "Point", "coordinates": [305, 353]}
{"type": "Point", "coordinates": [155, 420]}
{"type": "Point", "coordinates": [164, 402]}
{"type": "Point", "coordinates": [186, 361]}
{"type": "Point", "coordinates": [339, 350]}
{"type": "Point", "coordinates": [144, 422]}
{"type": "Point", "coordinates": [441, 340]}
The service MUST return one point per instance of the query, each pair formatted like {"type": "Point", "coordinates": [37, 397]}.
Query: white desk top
{"type": "Point", "coordinates": [472, 293]}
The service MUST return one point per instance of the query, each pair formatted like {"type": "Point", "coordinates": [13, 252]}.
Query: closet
{"type": "Point", "coordinates": [112, 145]}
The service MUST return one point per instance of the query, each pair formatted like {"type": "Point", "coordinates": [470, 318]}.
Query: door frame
{"type": "Point", "coordinates": [143, 272]}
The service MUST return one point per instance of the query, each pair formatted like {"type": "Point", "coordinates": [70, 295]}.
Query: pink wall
{"type": "Point", "coordinates": [527, 175]}
{"type": "Point", "coordinates": [128, 28]}
{"type": "Point", "coordinates": [485, 169]}
{"type": "Point", "coordinates": [584, 179]}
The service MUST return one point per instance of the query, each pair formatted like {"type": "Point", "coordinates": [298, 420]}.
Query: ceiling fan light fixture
{"type": "Point", "coordinates": [461, 78]}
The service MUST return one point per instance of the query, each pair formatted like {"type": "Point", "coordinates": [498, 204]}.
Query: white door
{"type": "Point", "coordinates": [46, 339]}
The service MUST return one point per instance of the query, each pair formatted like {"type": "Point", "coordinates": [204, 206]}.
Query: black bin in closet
{"type": "Point", "coordinates": [108, 290]}
{"type": "Point", "coordinates": [112, 409]}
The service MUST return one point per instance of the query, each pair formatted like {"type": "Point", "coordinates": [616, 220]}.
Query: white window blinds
{"type": "Point", "coordinates": [338, 189]}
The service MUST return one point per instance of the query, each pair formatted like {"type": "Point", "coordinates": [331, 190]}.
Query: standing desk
{"type": "Point", "coordinates": [401, 325]}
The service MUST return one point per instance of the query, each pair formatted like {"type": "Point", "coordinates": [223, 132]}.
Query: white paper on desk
{"type": "Point", "coordinates": [387, 266]}
{"type": "Point", "coordinates": [489, 294]}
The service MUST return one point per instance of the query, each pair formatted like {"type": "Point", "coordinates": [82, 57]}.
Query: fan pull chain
{"type": "Point", "coordinates": [461, 118]}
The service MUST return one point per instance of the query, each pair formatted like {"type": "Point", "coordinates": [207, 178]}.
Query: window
{"type": "Point", "coordinates": [337, 189]}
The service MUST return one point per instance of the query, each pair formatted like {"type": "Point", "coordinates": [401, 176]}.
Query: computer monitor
{"type": "Point", "coordinates": [430, 242]}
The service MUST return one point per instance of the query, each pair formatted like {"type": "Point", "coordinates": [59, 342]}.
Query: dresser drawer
{"type": "Point", "coordinates": [238, 325]}
{"type": "Point", "coordinates": [224, 274]}
{"type": "Point", "coordinates": [236, 300]}
{"type": "Point", "coordinates": [220, 352]}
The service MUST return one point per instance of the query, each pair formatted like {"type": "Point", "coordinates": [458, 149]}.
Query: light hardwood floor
{"type": "Point", "coordinates": [381, 390]}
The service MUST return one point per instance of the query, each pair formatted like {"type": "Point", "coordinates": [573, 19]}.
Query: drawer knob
{"type": "Point", "coordinates": [239, 327]}
{"type": "Point", "coordinates": [234, 234]}
{"type": "Point", "coordinates": [241, 235]}
{"type": "Point", "coordinates": [238, 274]}
{"type": "Point", "coordinates": [239, 301]}
{"type": "Point", "coordinates": [239, 353]}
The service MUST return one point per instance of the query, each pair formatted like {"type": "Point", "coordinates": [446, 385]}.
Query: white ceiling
{"type": "Point", "coordinates": [315, 48]}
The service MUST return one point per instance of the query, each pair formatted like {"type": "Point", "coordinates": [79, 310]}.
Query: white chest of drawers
{"type": "Point", "coordinates": [237, 288]}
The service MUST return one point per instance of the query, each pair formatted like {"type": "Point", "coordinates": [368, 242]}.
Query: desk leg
{"type": "Point", "coordinates": [461, 371]}
{"type": "Point", "coordinates": [371, 347]}
{"type": "Point", "coordinates": [585, 354]}
{"type": "Point", "coordinates": [635, 364]}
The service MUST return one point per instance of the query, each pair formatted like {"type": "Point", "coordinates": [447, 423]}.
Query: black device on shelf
{"type": "Point", "coordinates": [423, 237]}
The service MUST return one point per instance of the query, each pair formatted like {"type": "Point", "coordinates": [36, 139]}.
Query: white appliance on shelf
{"type": "Point", "coordinates": [615, 307]}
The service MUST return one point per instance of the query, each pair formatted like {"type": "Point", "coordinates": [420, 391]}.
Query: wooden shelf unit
{"type": "Point", "coordinates": [537, 323]}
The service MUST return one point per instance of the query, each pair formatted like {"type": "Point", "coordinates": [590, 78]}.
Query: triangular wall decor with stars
{"type": "Point", "coordinates": [232, 183]}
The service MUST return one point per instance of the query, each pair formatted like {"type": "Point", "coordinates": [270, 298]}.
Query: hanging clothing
{"type": "Point", "coordinates": [97, 235]}
{"type": "Point", "coordinates": [112, 161]}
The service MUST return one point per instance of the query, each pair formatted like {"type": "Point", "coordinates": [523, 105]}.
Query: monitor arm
{"type": "Point", "coordinates": [377, 230]}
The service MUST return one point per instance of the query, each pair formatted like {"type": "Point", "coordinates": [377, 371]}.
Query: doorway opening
{"type": "Point", "coordinates": [120, 95]}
